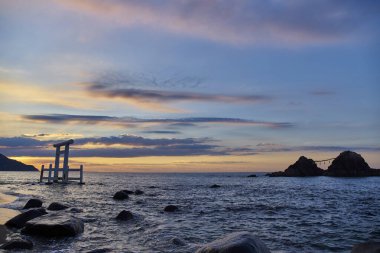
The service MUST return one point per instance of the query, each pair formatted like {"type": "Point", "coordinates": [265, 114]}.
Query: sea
{"type": "Point", "coordinates": [312, 214]}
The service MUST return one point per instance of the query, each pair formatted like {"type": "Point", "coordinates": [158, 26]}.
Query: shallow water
{"type": "Point", "coordinates": [318, 214]}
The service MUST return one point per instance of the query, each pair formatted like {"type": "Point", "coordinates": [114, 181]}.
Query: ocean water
{"type": "Point", "coordinates": [318, 214]}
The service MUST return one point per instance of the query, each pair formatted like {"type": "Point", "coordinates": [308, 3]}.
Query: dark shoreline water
{"type": "Point", "coordinates": [318, 214]}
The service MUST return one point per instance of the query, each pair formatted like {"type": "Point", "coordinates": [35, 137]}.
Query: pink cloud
{"type": "Point", "coordinates": [235, 22]}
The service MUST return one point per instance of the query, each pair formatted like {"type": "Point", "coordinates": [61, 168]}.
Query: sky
{"type": "Point", "coordinates": [189, 85]}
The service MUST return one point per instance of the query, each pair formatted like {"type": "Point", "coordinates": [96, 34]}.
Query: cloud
{"type": "Point", "coordinates": [93, 119]}
{"type": "Point", "coordinates": [161, 132]}
{"type": "Point", "coordinates": [322, 93]}
{"type": "Point", "coordinates": [241, 22]}
{"type": "Point", "coordinates": [137, 146]}
{"type": "Point", "coordinates": [152, 91]}
{"type": "Point", "coordinates": [129, 146]}
{"type": "Point", "coordinates": [273, 147]}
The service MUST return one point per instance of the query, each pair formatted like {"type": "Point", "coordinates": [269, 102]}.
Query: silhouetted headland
{"type": "Point", "coordinates": [347, 164]}
{"type": "Point", "coordinates": [7, 164]}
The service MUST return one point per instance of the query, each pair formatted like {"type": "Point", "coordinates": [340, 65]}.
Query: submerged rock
{"type": "Point", "coordinates": [171, 208]}
{"type": "Point", "coordinates": [103, 250]}
{"type": "Point", "coordinates": [177, 241]}
{"type": "Point", "coordinates": [121, 195]}
{"type": "Point", "coordinates": [76, 210]}
{"type": "Point", "coordinates": [139, 192]}
{"type": "Point", "coordinates": [303, 167]}
{"type": "Point", "coordinates": [124, 215]}
{"type": "Point", "coordinates": [215, 186]}
{"type": "Point", "coordinates": [54, 224]}
{"type": "Point", "coordinates": [33, 203]}
{"type": "Point", "coordinates": [55, 206]}
{"type": "Point", "coordinates": [350, 164]}
{"type": "Point", "coordinates": [20, 220]}
{"type": "Point", "coordinates": [17, 244]}
{"type": "Point", "coordinates": [367, 247]}
{"type": "Point", "coordinates": [239, 242]}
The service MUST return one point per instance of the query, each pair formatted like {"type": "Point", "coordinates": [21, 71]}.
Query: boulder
{"type": "Point", "coordinates": [17, 244]}
{"type": "Point", "coordinates": [239, 242]}
{"type": "Point", "coordinates": [124, 215]}
{"type": "Point", "coordinates": [121, 195]}
{"type": "Point", "coordinates": [303, 167]}
{"type": "Point", "coordinates": [252, 175]}
{"type": "Point", "coordinates": [54, 224]}
{"type": "Point", "coordinates": [215, 186]}
{"type": "Point", "coordinates": [20, 220]}
{"type": "Point", "coordinates": [139, 192]}
{"type": "Point", "coordinates": [55, 206]}
{"type": "Point", "coordinates": [350, 164]}
{"type": "Point", "coordinates": [366, 247]}
{"type": "Point", "coordinates": [33, 203]}
{"type": "Point", "coordinates": [171, 208]}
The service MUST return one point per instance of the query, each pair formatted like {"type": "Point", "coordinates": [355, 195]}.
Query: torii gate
{"type": "Point", "coordinates": [65, 169]}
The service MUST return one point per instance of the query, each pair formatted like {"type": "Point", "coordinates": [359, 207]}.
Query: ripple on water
{"type": "Point", "coordinates": [289, 214]}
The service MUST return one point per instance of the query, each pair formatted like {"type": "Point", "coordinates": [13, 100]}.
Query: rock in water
{"type": "Point", "coordinates": [124, 215]}
{"type": "Point", "coordinates": [350, 164]}
{"type": "Point", "coordinates": [121, 195]}
{"type": "Point", "coordinates": [54, 224]}
{"type": "Point", "coordinates": [303, 167]}
{"type": "Point", "coordinates": [55, 206]}
{"type": "Point", "coordinates": [239, 242]}
{"type": "Point", "coordinates": [171, 208]}
{"type": "Point", "coordinates": [20, 220]}
{"type": "Point", "coordinates": [367, 247]}
{"type": "Point", "coordinates": [252, 175]}
{"type": "Point", "coordinates": [32, 203]}
{"type": "Point", "coordinates": [215, 186]}
{"type": "Point", "coordinates": [17, 244]}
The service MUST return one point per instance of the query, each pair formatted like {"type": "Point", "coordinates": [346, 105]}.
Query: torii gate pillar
{"type": "Point", "coordinates": [58, 152]}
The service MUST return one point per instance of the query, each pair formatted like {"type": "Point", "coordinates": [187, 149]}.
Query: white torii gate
{"type": "Point", "coordinates": [65, 169]}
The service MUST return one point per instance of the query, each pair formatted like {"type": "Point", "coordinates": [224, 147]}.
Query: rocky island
{"type": "Point", "coordinates": [347, 164]}
{"type": "Point", "coordinates": [7, 164]}
{"type": "Point", "coordinates": [303, 167]}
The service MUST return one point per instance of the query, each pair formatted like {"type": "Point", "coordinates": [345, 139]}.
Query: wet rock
{"type": "Point", "coordinates": [215, 186]}
{"type": "Point", "coordinates": [128, 192]}
{"type": "Point", "coordinates": [33, 203]}
{"type": "Point", "coordinates": [20, 220]}
{"type": "Point", "coordinates": [350, 164]}
{"type": "Point", "coordinates": [54, 224]}
{"type": "Point", "coordinates": [121, 195]}
{"type": "Point", "coordinates": [124, 215]}
{"type": "Point", "coordinates": [171, 208]}
{"type": "Point", "coordinates": [252, 175]}
{"type": "Point", "coordinates": [55, 206]}
{"type": "Point", "coordinates": [367, 247]}
{"type": "Point", "coordinates": [17, 244]}
{"type": "Point", "coordinates": [240, 242]}
{"type": "Point", "coordinates": [139, 192]}
{"type": "Point", "coordinates": [303, 167]}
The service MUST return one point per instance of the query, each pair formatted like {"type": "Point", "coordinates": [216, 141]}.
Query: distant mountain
{"type": "Point", "coordinates": [7, 164]}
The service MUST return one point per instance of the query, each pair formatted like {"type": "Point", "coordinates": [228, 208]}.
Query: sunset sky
{"type": "Point", "coordinates": [178, 86]}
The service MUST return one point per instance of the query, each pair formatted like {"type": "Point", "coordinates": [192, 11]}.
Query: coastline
{"type": "Point", "coordinates": [5, 215]}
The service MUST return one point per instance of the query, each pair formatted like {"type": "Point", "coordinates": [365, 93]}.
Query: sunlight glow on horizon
{"type": "Point", "coordinates": [211, 86]}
